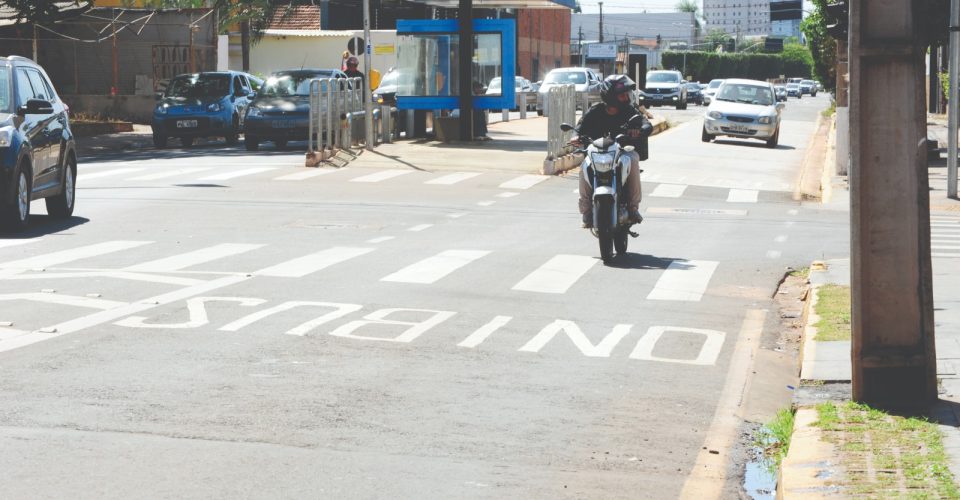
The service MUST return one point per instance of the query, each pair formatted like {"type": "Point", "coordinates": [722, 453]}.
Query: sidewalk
{"type": "Point", "coordinates": [813, 467]}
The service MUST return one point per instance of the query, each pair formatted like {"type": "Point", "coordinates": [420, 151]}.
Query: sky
{"type": "Point", "coordinates": [638, 6]}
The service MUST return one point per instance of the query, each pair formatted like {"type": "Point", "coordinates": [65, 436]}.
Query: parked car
{"type": "Point", "coordinates": [38, 155]}
{"type": "Point", "coordinates": [818, 85]}
{"type": "Point", "coordinates": [280, 112]}
{"type": "Point", "coordinates": [808, 87]}
{"type": "Point", "coordinates": [521, 84]}
{"type": "Point", "coordinates": [695, 93]}
{"type": "Point", "coordinates": [209, 104]}
{"type": "Point", "coordinates": [711, 89]}
{"type": "Point", "coordinates": [584, 80]}
{"type": "Point", "coordinates": [386, 92]}
{"type": "Point", "coordinates": [744, 109]}
{"type": "Point", "coordinates": [781, 91]}
{"type": "Point", "coordinates": [664, 87]}
{"type": "Point", "coordinates": [793, 90]}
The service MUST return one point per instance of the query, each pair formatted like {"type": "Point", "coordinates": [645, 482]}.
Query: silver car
{"type": "Point", "coordinates": [711, 90]}
{"type": "Point", "coordinates": [584, 80]}
{"type": "Point", "coordinates": [745, 109]}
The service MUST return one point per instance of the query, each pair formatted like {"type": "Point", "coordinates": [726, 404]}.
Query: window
{"type": "Point", "coordinates": [6, 101]}
{"type": "Point", "coordinates": [24, 89]}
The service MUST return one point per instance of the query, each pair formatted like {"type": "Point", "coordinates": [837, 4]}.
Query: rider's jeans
{"type": "Point", "coordinates": [632, 187]}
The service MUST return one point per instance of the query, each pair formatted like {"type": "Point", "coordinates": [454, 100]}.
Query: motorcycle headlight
{"type": "Point", "coordinates": [602, 162]}
{"type": "Point", "coordinates": [6, 136]}
{"type": "Point", "coordinates": [716, 115]}
{"type": "Point", "coordinates": [213, 108]}
{"type": "Point", "coordinates": [253, 111]}
{"type": "Point", "coordinates": [765, 120]}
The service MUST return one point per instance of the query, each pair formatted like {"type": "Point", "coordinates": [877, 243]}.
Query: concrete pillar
{"type": "Point", "coordinates": [843, 111]}
{"type": "Point", "coordinates": [893, 354]}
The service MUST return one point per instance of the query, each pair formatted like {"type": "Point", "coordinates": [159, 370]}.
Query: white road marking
{"type": "Point", "coordinates": [946, 230]}
{"type": "Point", "coordinates": [169, 173]}
{"type": "Point", "coordinates": [236, 173]}
{"type": "Point", "coordinates": [15, 242]}
{"type": "Point", "coordinates": [453, 178]}
{"type": "Point", "coordinates": [64, 300]}
{"type": "Point", "coordinates": [774, 254]}
{"type": "Point", "coordinates": [557, 275]}
{"type": "Point", "coordinates": [457, 215]}
{"type": "Point", "coordinates": [743, 196]}
{"type": "Point", "coordinates": [524, 182]}
{"type": "Point", "coordinates": [709, 351]}
{"type": "Point", "coordinates": [486, 203]}
{"type": "Point", "coordinates": [944, 237]}
{"type": "Point", "coordinates": [302, 266]}
{"type": "Point", "coordinates": [432, 269]}
{"type": "Point", "coordinates": [308, 174]}
{"type": "Point", "coordinates": [948, 225]}
{"type": "Point", "coordinates": [601, 350]}
{"type": "Point", "coordinates": [781, 238]}
{"type": "Point", "coordinates": [381, 176]}
{"type": "Point", "coordinates": [945, 247]}
{"type": "Point", "coordinates": [64, 256]}
{"type": "Point", "coordinates": [184, 260]}
{"type": "Point", "coordinates": [381, 239]}
{"type": "Point", "coordinates": [669, 191]}
{"type": "Point", "coordinates": [945, 254]}
{"type": "Point", "coordinates": [420, 227]}
{"type": "Point", "coordinates": [509, 194]}
{"type": "Point", "coordinates": [476, 338]}
{"type": "Point", "coordinates": [684, 280]}
{"type": "Point", "coordinates": [793, 211]}
{"type": "Point", "coordinates": [108, 173]}
{"type": "Point", "coordinates": [120, 275]}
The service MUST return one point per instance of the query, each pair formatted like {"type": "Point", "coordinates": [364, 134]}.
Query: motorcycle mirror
{"type": "Point", "coordinates": [566, 127]}
{"type": "Point", "coordinates": [629, 148]}
{"type": "Point", "coordinates": [622, 139]}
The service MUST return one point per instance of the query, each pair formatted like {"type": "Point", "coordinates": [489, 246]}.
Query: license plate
{"type": "Point", "coordinates": [740, 128]}
{"type": "Point", "coordinates": [186, 124]}
{"type": "Point", "coordinates": [657, 97]}
{"type": "Point", "coordinates": [282, 124]}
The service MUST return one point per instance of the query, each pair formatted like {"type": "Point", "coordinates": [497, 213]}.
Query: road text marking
{"type": "Point", "coordinates": [684, 280]}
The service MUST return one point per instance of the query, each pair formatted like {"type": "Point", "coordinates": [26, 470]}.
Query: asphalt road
{"type": "Point", "coordinates": [213, 323]}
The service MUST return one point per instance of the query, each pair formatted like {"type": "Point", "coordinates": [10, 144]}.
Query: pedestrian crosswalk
{"type": "Point", "coordinates": [511, 185]}
{"type": "Point", "coordinates": [530, 274]}
{"type": "Point", "coordinates": [945, 236]}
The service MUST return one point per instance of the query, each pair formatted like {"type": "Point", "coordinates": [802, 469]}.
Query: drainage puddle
{"type": "Point", "coordinates": [760, 476]}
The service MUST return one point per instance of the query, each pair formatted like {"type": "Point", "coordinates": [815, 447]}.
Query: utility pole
{"type": "Point", "coordinates": [367, 98]}
{"type": "Point", "coordinates": [953, 100]}
{"type": "Point", "coordinates": [893, 354]}
{"type": "Point", "coordinates": [465, 62]}
{"type": "Point", "coordinates": [600, 4]}
{"type": "Point", "coordinates": [580, 44]}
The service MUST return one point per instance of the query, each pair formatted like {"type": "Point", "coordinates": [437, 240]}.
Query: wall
{"type": "Point", "coordinates": [543, 41]}
{"type": "Point", "coordinates": [135, 108]}
{"type": "Point", "coordinates": [323, 50]}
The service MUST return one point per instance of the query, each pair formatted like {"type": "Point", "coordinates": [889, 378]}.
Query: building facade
{"type": "Point", "coordinates": [739, 18]}
{"type": "Point", "coordinates": [543, 41]}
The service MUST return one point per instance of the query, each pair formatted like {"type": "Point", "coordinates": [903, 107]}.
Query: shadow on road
{"type": "Point", "coordinates": [42, 225]}
{"type": "Point", "coordinates": [648, 262]}
{"type": "Point", "coordinates": [753, 144]}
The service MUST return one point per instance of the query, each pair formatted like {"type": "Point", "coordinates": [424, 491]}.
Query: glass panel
{"type": "Point", "coordinates": [6, 97]}
{"type": "Point", "coordinates": [24, 90]}
{"type": "Point", "coordinates": [427, 65]}
{"type": "Point", "coordinates": [487, 63]}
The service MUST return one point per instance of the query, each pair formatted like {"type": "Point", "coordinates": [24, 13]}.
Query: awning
{"type": "Point", "coordinates": [504, 4]}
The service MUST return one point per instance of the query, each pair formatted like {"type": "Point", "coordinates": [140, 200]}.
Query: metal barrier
{"type": "Point", "coordinates": [336, 114]}
{"type": "Point", "coordinates": [562, 103]}
{"type": "Point", "coordinates": [523, 100]}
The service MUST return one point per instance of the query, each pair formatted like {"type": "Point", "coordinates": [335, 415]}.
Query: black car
{"type": "Point", "coordinates": [281, 110]}
{"type": "Point", "coordinates": [38, 157]}
{"type": "Point", "coordinates": [695, 93]}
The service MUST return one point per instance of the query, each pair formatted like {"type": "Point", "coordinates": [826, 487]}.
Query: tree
{"type": "Point", "coordinates": [44, 12]}
{"type": "Point", "coordinates": [823, 48]}
{"type": "Point", "coordinates": [693, 7]}
{"type": "Point", "coordinates": [717, 38]}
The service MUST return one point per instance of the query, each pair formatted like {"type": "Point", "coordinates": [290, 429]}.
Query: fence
{"type": "Point", "coordinates": [562, 103]}
{"type": "Point", "coordinates": [336, 119]}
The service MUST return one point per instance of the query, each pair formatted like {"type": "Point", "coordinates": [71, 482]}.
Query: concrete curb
{"type": "Point", "coordinates": [809, 181]}
{"type": "Point", "coordinates": [808, 471]}
{"type": "Point", "coordinates": [571, 161]}
{"type": "Point", "coordinates": [808, 346]}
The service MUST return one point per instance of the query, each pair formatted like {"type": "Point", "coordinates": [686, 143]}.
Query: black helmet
{"type": "Point", "coordinates": [614, 85]}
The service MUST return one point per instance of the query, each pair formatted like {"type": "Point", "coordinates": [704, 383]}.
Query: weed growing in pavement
{"type": "Point", "coordinates": [774, 438]}
{"type": "Point", "coordinates": [803, 272]}
{"type": "Point", "coordinates": [827, 113]}
{"type": "Point", "coordinates": [833, 308]}
{"type": "Point", "coordinates": [887, 455]}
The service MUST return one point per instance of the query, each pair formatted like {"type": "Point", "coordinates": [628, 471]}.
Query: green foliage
{"type": "Point", "coordinates": [945, 83]}
{"type": "Point", "coordinates": [705, 66]}
{"type": "Point", "coordinates": [717, 37]}
{"type": "Point", "coordinates": [45, 12]}
{"type": "Point", "coordinates": [822, 46]}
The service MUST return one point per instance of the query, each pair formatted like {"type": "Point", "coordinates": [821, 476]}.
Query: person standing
{"type": "Point", "coordinates": [352, 71]}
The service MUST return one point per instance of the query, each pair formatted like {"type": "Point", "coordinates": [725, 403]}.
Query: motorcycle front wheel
{"type": "Point", "coordinates": [603, 207]}
{"type": "Point", "coordinates": [620, 241]}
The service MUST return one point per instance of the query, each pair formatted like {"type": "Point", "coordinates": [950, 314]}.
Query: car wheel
{"type": "Point", "coordinates": [705, 137]}
{"type": "Point", "coordinates": [539, 112]}
{"type": "Point", "coordinates": [61, 205]}
{"type": "Point", "coordinates": [233, 136]}
{"type": "Point", "coordinates": [252, 143]}
{"type": "Point", "coordinates": [159, 141]}
{"type": "Point", "coordinates": [186, 141]}
{"type": "Point", "coordinates": [280, 143]}
{"type": "Point", "coordinates": [16, 214]}
{"type": "Point", "coordinates": [772, 142]}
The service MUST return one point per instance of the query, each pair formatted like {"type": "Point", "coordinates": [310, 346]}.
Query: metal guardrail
{"type": "Point", "coordinates": [562, 103]}
{"type": "Point", "coordinates": [523, 100]}
{"type": "Point", "coordinates": [336, 114]}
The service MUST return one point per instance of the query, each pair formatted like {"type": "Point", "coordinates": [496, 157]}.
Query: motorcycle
{"type": "Point", "coordinates": [605, 167]}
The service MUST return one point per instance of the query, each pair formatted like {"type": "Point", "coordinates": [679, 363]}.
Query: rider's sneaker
{"type": "Point", "coordinates": [635, 217]}
{"type": "Point", "coordinates": [587, 221]}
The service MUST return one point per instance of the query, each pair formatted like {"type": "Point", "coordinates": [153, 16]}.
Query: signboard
{"type": "Point", "coordinates": [602, 51]}
{"type": "Point", "coordinates": [383, 49]}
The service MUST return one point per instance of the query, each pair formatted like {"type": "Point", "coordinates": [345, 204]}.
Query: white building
{"type": "Point", "coordinates": [738, 17]}
{"type": "Point", "coordinates": [786, 28]}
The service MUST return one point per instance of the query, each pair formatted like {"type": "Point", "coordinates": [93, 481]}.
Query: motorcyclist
{"type": "Point", "coordinates": [618, 104]}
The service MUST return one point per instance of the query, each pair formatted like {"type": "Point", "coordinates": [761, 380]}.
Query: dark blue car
{"type": "Point", "coordinates": [203, 105]}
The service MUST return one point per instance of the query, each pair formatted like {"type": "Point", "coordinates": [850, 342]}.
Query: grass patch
{"type": "Point", "coordinates": [833, 308]}
{"type": "Point", "coordinates": [898, 447]}
{"type": "Point", "coordinates": [827, 113]}
{"type": "Point", "coordinates": [774, 438]}
{"type": "Point", "coordinates": [801, 273]}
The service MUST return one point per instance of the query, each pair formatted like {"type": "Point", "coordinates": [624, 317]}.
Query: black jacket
{"type": "Point", "coordinates": [596, 123]}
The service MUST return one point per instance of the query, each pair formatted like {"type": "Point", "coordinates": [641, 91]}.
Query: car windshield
{"type": "Point", "coordinates": [806, 82]}
{"type": "Point", "coordinates": [199, 86]}
{"type": "Point", "coordinates": [747, 94]}
{"type": "Point", "coordinates": [6, 96]}
{"type": "Point", "coordinates": [663, 78]}
{"type": "Point", "coordinates": [575, 77]}
{"type": "Point", "coordinates": [292, 84]}
{"type": "Point", "coordinates": [494, 84]}
{"type": "Point", "coordinates": [715, 83]}
{"type": "Point", "coordinates": [391, 78]}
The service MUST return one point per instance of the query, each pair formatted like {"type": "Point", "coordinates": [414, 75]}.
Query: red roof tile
{"type": "Point", "coordinates": [300, 17]}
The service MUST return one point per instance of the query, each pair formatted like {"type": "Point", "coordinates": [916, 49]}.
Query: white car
{"type": "Point", "coordinates": [520, 84]}
{"type": "Point", "coordinates": [584, 80]}
{"type": "Point", "coordinates": [745, 109]}
{"type": "Point", "coordinates": [711, 90]}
